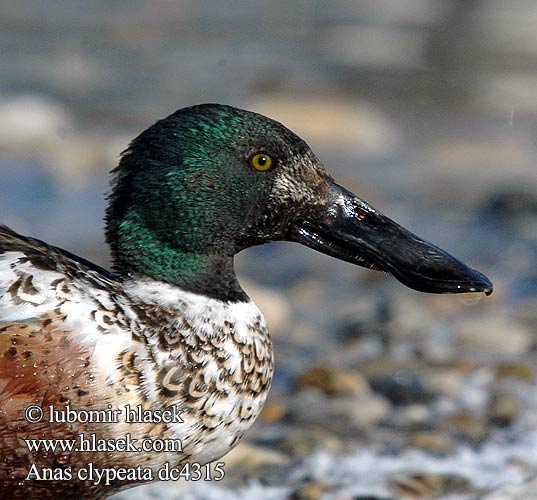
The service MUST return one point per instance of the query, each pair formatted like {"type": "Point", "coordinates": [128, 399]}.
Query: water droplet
{"type": "Point", "coordinates": [470, 299]}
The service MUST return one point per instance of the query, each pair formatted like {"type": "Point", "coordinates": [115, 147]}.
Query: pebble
{"type": "Point", "coordinates": [333, 121]}
{"type": "Point", "coordinates": [351, 45]}
{"type": "Point", "coordinates": [515, 370]}
{"type": "Point", "coordinates": [364, 497]}
{"type": "Point", "coordinates": [402, 388]}
{"type": "Point", "coordinates": [334, 381]}
{"type": "Point", "coordinates": [246, 458]}
{"type": "Point", "coordinates": [303, 440]}
{"type": "Point", "coordinates": [38, 127]}
{"type": "Point", "coordinates": [409, 317]}
{"type": "Point", "coordinates": [339, 413]}
{"type": "Point", "coordinates": [515, 206]}
{"type": "Point", "coordinates": [504, 408]}
{"type": "Point", "coordinates": [30, 119]}
{"type": "Point", "coordinates": [412, 416]}
{"type": "Point", "coordinates": [310, 491]}
{"type": "Point", "coordinates": [445, 380]}
{"type": "Point", "coordinates": [384, 366]}
{"type": "Point", "coordinates": [273, 412]}
{"type": "Point", "coordinates": [429, 486]}
{"type": "Point", "coordinates": [273, 304]}
{"type": "Point", "coordinates": [495, 334]}
{"type": "Point", "coordinates": [435, 442]}
{"type": "Point", "coordinates": [465, 424]}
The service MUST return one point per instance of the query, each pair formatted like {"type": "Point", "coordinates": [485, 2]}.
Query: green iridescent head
{"type": "Point", "coordinates": [210, 180]}
{"type": "Point", "coordinates": [202, 184]}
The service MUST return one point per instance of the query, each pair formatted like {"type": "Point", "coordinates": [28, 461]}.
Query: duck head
{"type": "Point", "coordinates": [208, 181]}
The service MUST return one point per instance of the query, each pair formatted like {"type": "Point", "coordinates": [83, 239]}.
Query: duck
{"type": "Point", "coordinates": [167, 347]}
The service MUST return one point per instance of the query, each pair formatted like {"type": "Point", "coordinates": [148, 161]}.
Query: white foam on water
{"type": "Point", "coordinates": [366, 472]}
{"type": "Point", "coordinates": [203, 491]}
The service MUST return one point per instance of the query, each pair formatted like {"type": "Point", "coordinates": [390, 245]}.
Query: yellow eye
{"type": "Point", "coordinates": [261, 162]}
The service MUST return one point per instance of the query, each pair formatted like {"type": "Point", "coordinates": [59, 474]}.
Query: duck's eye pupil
{"type": "Point", "coordinates": [261, 162]}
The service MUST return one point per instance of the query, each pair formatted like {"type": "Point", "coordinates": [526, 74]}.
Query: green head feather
{"type": "Point", "coordinates": [185, 197]}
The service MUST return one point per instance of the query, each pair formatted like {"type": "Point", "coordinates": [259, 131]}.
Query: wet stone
{"type": "Point", "coordinates": [504, 409]}
{"type": "Point", "coordinates": [360, 331]}
{"type": "Point", "coordinates": [365, 497]}
{"type": "Point", "coordinates": [334, 381]}
{"type": "Point", "coordinates": [340, 414]}
{"type": "Point", "coordinates": [518, 371]}
{"type": "Point", "coordinates": [495, 335]}
{"type": "Point", "coordinates": [402, 388]}
{"type": "Point", "coordinates": [465, 424]}
{"type": "Point", "coordinates": [273, 412]}
{"type": "Point", "coordinates": [363, 317]}
{"type": "Point", "coordinates": [515, 207]}
{"type": "Point", "coordinates": [432, 441]}
{"type": "Point", "coordinates": [428, 486]}
{"type": "Point", "coordinates": [247, 458]}
{"type": "Point", "coordinates": [274, 306]}
{"type": "Point", "coordinates": [446, 380]}
{"type": "Point", "coordinates": [301, 441]}
{"type": "Point", "coordinates": [414, 416]}
{"type": "Point", "coordinates": [310, 491]}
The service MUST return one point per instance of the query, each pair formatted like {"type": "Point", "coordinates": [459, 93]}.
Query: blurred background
{"type": "Point", "coordinates": [425, 108]}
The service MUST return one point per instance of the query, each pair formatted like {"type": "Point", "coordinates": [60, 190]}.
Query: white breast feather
{"type": "Point", "coordinates": [83, 300]}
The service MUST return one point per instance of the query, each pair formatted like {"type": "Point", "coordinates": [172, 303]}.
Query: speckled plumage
{"type": "Point", "coordinates": [172, 328]}
{"type": "Point", "coordinates": [90, 341]}
{"type": "Point", "coordinates": [72, 330]}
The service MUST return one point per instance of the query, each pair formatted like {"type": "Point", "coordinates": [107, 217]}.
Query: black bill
{"type": "Point", "coordinates": [351, 230]}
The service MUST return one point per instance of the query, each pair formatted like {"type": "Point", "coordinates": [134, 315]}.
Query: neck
{"type": "Point", "coordinates": [138, 251]}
